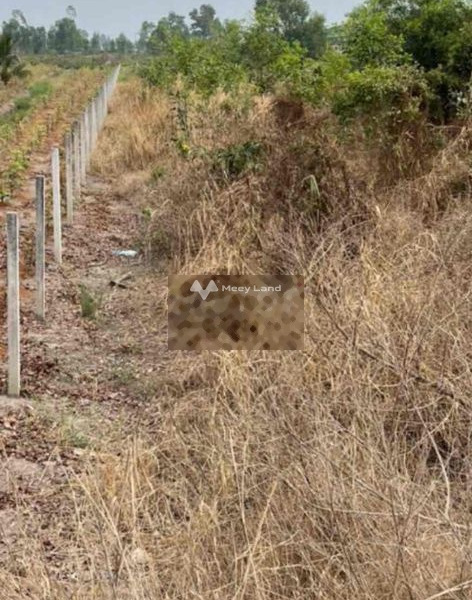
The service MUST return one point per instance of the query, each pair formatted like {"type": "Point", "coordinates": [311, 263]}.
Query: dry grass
{"type": "Point", "coordinates": [342, 472]}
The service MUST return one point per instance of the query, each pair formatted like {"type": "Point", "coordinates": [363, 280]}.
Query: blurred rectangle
{"type": "Point", "coordinates": [236, 312]}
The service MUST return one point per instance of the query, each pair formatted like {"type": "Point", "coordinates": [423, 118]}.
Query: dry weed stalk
{"type": "Point", "coordinates": [343, 472]}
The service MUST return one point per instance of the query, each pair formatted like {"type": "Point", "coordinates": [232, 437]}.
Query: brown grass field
{"type": "Point", "coordinates": [342, 472]}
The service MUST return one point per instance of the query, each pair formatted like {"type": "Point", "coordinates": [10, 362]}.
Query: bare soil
{"type": "Point", "coordinates": [80, 375]}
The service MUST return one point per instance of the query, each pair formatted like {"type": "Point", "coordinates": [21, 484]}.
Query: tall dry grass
{"type": "Point", "coordinates": [340, 472]}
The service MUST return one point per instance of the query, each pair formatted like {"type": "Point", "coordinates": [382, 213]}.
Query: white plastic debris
{"type": "Point", "coordinates": [125, 253]}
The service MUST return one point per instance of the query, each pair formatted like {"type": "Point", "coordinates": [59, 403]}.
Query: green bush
{"type": "Point", "coordinates": [231, 162]}
{"type": "Point", "coordinates": [40, 89]}
{"type": "Point", "coordinates": [392, 63]}
{"type": "Point", "coordinates": [367, 39]}
{"type": "Point", "coordinates": [22, 105]}
{"type": "Point", "coordinates": [382, 95]}
{"type": "Point", "coordinates": [435, 35]}
{"type": "Point", "coordinates": [205, 65]}
{"type": "Point", "coordinates": [235, 56]}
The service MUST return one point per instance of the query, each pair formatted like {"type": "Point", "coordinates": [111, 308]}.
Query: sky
{"type": "Point", "coordinates": [115, 16]}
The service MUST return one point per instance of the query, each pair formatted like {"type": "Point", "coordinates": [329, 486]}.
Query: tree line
{"type": "Point", "coordinates": [398, 58]}
{"type": "Point", "coordinates": [297, 24]}
{"type": "Point", "coordinates": [63, 37]}
{"type": "Point", "coordinates": [390, 62]}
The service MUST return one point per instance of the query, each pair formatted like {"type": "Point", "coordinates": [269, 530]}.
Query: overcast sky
{"type": "Point", "coordinates": [114, 16]}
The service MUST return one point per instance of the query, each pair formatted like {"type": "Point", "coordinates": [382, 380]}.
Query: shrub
{"type": "Point", "coordinates": [368, 40]}
{"type": "Point", "coordinates": [382, 96]}
{"type": "Point", "coordinates": [436, 35]}
{"type": "Point", "coordinates": [230, 163]}
{"type": "Point", "coordinates": [204, 65]}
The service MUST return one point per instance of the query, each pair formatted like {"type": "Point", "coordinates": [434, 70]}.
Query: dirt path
{"type": "Point", "coordinates": [24, 204]}
{"type": "Point", "coordinates": [85, 377]}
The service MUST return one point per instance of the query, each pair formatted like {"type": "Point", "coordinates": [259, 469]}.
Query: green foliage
{"type": "Point", "coordinates": [64, 37]}
{"type": "Point", "coordinates": [430, 27]}
{"type": "Point", "coordinates": [89, 305]}
{"type": "Point", "coordinates": [296, 75]}
{"type": "Point", "coordinates": [203, 64]}
{"type": "Point", "coordinates": [271, 52]}
{"type": "Point", "coordinates": [123, 44]}
{"type": "Point", "coordinates": [18, 163]}
{"type": "Point", "coordinates": [292, 13]}
{"type": "Point", "coordinates": [204, 23]}
{"type": "Point", "coordinates": [172, 26]}
{"type": "Point", "coordinates": [231, 162]}
{"type": "Point", "coordinates": [237, 55]}
{"type": "Point", "coordinates": [71, 61]}
{"type": "Point", "coordinates": [460, 53]}
{"type": "Point", "coordinates": [145, 33]}
{"type": "Point", "coordinates": [295, 23]}
{"type": "Point", "coordinates": [367, 40]}
{"type": "Point", "coordinates": [436, 35]}
{"type": "Point", "coordinates": [40, 90]}
{"type": "Point", "coordinates": [10, 65]}
{"type": "Point", "coordinates": [332, 73]}
{"type": "Point", "coordinates": [30, 40]}
{"type": "Point", "coordinates": [23, 106]}
{"type": "Point", "coordinates": [262, 48]}
{"type": "Point", "coordinates": [384, 96]}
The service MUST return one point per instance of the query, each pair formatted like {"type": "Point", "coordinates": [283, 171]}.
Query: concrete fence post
{"type": "Point", "coordinates": [69, 172]}
{"type": "Point", "coordinates": [90, 119]}
{"type": "Point", "coordinates": [13, 300]}
{"type": "Point", "coordinates": [97, 117]}
{"type": "Point", "coordinates": [77, 159]}
{"type": "Point", "coordinates": [98, 106]}
{"type": "Point", "coordinates": [83, 150]}
{"type": "Point", "coordinates": [56, 200]}
{"type": "Point", "coordinates": [87, 136]}
{"type": "Point", "coordinates": [103, 105]}
{"type": "Point", "coordinates": [40, 247]}
{"type": "Point", "coordinates": [93, 125]}
{"type": "Point", "coordinates": [99, 110]}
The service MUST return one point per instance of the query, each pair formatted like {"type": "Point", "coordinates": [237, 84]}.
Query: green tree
{"type": "Point", "coordinates": [124, 45]}
{"type": "Point", "coordinates": [203, 64]}
{"type": "Point", "coordinates": [204, 23]}
{"type": "Point", "coordinates": [296, 24]}
{"type": "Point", "coordinates": [167, 28]}
{"type": "Point", "coordinates": [10, 65]}
{"type": "Point", "coordinates": [313, 35]}
{"type": "Point", "coordinates": [19, 16]}
{"type": "Point", "coordinates": [27, 39]}
{"type": "Point", "coordinates": [434, 34]}
{"type": "Point", "coordinates": [95, 43]}
{"type": "Point", "coordinates": [144, 34]}
{"type": "Point", "coordinates": [64, 37]}
{"type": "Point", "coordinates": [263, 45]}
{"type": "Point", "coordinates": [293, 14]}
{"type": "Point", "coordinates": [71, 12]}
{"type": "Point", "coordinates": [429, 27]}
{"type": "Point", "coordinates": [39, 40]}
{"type": "Point", "coordinates": [105, 42]}
{"type": "Point", "coordinates": [20, 32]}
{"type": "Point", "coordinates": [368, 39]}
